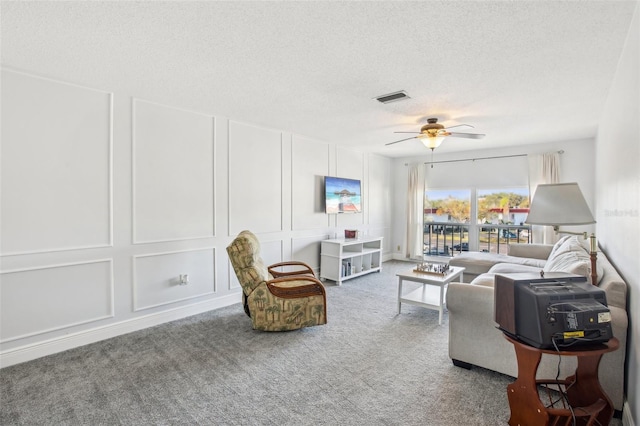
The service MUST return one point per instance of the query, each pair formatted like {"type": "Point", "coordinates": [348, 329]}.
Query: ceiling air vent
{"type": "Point", "coordinates": [392, 97]}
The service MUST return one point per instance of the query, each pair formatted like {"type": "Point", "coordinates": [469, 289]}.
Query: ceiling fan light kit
{"type": "Point", "coordinates": [431, 142]}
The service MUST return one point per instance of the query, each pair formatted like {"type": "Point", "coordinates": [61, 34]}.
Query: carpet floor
{"type": "Point", "coordinates": [367, 366]}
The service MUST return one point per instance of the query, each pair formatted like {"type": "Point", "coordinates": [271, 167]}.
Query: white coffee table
{"type": "Point", "coordinates": [426, 297]}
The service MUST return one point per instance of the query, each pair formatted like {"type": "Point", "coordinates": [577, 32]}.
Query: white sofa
{"type": "Point", "coordinates": [474, 339]}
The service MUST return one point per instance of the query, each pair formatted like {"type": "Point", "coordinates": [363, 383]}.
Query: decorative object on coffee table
{"type": "Point", "coordinates": [433, 268]}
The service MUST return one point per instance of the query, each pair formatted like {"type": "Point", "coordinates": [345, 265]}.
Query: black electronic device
{"type": "Point", "coordinates": [556, 309]}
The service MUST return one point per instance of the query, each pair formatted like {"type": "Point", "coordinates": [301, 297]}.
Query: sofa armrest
{"type": "Point", "coordinates": [534, 251]}
{"type": "Point", "coordinates": [473, 334]}
{"type": "Point", "coordinates": [612, 283]}
{"type": "Point", "coordinates": [469, 299]}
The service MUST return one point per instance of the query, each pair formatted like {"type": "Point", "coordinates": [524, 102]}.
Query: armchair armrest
{"type": "Point", "coordinates": [296, 287]}
{"type": "Point", "coordinates": [302, 269]}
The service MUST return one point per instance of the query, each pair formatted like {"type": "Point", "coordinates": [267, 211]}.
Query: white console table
{"type": "Point", "coordinates": [342, 259]}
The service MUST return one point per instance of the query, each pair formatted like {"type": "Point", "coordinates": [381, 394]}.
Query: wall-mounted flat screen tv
{"type": "Point", "coordinates": [342, 195]}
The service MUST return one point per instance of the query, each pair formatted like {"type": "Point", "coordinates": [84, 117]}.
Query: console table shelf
{"type": "Point", "coordinates": [342, 259]}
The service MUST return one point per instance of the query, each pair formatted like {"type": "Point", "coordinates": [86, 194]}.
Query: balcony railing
{"type": "Point", "coordinates": [496, 238]}
{"type": "Point", "coordinates": [443, 238]}
{"type": "Point", "coordinates": [449, 239]}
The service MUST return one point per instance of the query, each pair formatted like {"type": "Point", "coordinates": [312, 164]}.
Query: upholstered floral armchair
{"type": "Point", "coordinates": [276, 297]}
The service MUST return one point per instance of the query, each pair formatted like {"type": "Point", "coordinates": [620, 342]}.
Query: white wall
{"type": "Point", "coordinates": [618, 197]}
{"type": "Point", "coordinates": [108, 198]}
{"type": "Point", "coordinates": [576, 165]}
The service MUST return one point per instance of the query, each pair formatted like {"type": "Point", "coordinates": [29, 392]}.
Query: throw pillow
{"type": "Point", "coordinates": [571, 243]}
{"type": "Point", "coordinates": [573, 249]}
{"type": "Point", "coordinates": [557, 245]}
{"type": "Point", "coordinates": [572, 262]}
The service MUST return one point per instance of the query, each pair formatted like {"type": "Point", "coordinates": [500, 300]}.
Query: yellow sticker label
{"type": "Point", "coordinates": [573, 334]}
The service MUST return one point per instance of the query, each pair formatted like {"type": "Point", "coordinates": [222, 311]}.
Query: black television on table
{"type": "Point", "coordinates": [342, 195]}
{"type": "Point", "coordinates": [557, 310]}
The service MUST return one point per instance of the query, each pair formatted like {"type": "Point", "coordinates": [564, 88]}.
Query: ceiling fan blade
{"type": "Point", "coordinates": [467, 135]}
{"type": "Point", "coordinates": [459, 125]}
{"type": "Point", "coordinates": [417, 133]}
{"type": "Point", "coordinates": [401, 140]}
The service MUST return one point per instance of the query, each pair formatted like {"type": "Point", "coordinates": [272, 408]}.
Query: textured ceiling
{"type": "Point", "coordinates": [520, 71]}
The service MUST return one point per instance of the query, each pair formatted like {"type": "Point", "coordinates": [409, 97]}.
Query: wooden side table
{"type": "Point", "coordinates": [586, 401]}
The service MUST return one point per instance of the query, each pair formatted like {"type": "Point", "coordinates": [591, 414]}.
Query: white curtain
{"type": "Point", "coordinates": [415, 211]}
{"type": "Point", "coordinates": [543, 168]}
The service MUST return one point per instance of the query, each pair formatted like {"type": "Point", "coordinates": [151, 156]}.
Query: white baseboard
{"type": "Point", "coordinates": [63, 343]}
{"type": "Point", "coordinates": [387, 256]}
{"type": "Point", "coordinates": [627, 417]}
{"type": "Point", "coordinates": [402, 257]}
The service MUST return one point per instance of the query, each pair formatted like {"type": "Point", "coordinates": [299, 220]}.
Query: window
{"type": "Point", "coordinates": [503, 206]}
{"type": "Point", "coordinates": [499, 216]}
{"type": "Point", "coordinates": [506, 210]}
{"type": "Point", "coordinates": [447, 214]}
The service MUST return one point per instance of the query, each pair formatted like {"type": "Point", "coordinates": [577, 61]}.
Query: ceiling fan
{"type": "Point", "coordinates": [432, 134]}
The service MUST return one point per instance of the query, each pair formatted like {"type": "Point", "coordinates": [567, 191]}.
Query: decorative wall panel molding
{"type": "Point", "coordinates": [170, 277]}
{"type": "Point", "coordinates": [310, 163]}
{"type": "Point", "coordinates": [173, 173]}
{"type": "Point", "coordinates": [45, 299]}
{"type": "Point", "coordinates": [255, 179]}
{"type": "Point", "coordinates": [378, 192]}
{"type": "Point", "coordinates": [56, 166]}
{"type": "Point", "coordinates": [307, 249]}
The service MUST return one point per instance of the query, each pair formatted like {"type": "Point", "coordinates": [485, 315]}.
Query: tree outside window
{"type": "Point", "coordinates": [447, 206]}
{"type": "Point", "coordinates": [508, 206]}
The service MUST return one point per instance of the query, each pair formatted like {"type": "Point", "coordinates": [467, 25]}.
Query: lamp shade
{"type": "Point", "coordinates": [559, 204]}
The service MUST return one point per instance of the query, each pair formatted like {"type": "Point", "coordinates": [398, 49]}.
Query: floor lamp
{"type": "Point", "coordinates": [562, 204]}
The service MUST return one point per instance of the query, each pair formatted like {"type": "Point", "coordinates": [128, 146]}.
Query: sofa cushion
{"type": "Point", "coordinates": [488, 279]}
{"type": "Point", "coordinates": [485, 280]}
{"type": "Point", "coordinates": [477, 263]}
{"type": "Point", "coordinates": [510, 268]}
{"type": "Point", "coordinates": [535, 251]}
